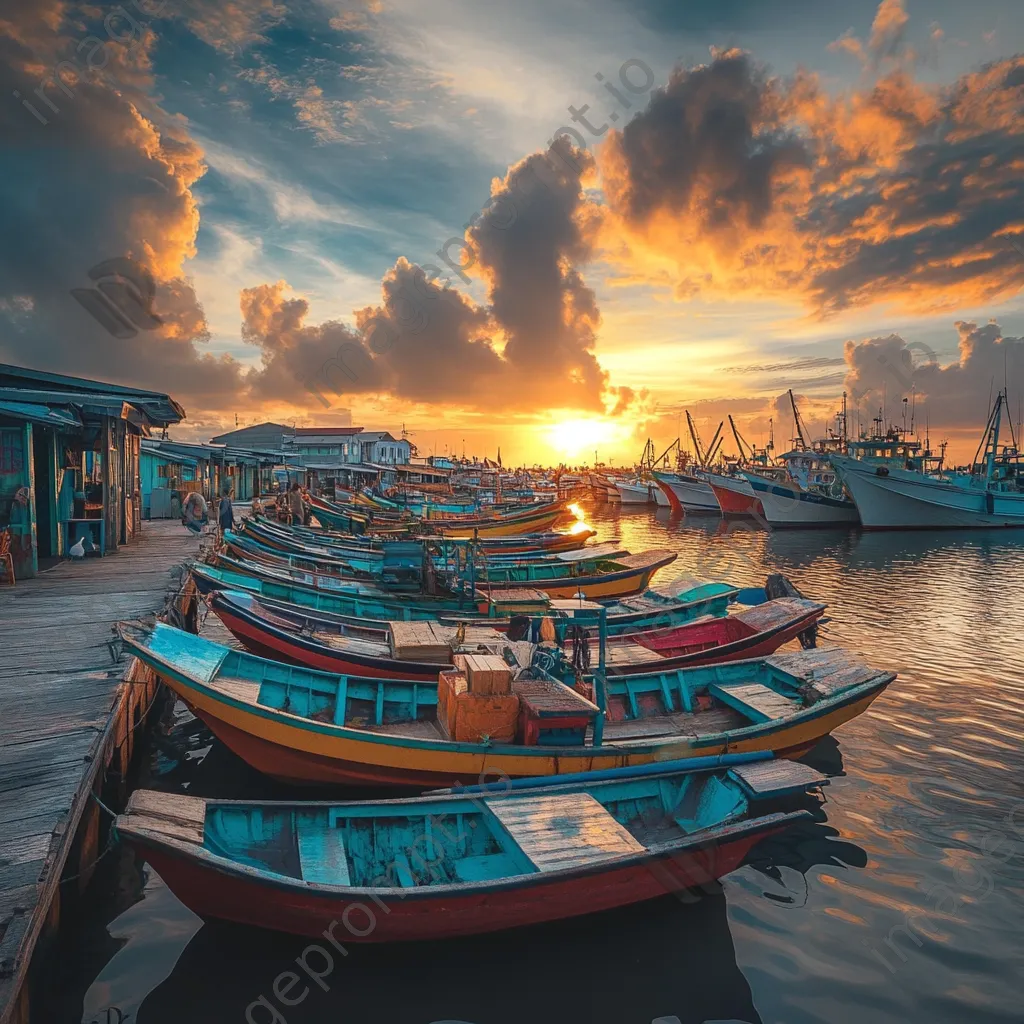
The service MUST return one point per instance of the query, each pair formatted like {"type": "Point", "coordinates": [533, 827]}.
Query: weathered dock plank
{"type": "Point", "coordinates": [63, 716]}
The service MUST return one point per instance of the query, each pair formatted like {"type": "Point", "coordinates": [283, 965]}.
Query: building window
{"type": "Point", "coordinates": [162, 471]}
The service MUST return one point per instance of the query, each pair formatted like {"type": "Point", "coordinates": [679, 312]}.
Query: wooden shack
{"type": "Point", "coordinates": [69, 462]}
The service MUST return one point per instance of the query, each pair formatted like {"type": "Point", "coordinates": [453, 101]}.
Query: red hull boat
{"type": "Point", "coordinates": [455, 864]}
{"type": "Point", "coordinates": [753, 633]}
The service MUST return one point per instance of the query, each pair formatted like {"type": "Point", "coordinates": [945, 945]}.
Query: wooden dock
{"type": "Point", "coordinates": [67, 721]}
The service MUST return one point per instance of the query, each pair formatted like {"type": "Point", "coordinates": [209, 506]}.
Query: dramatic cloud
{"type": "Point", "coordinates": [428, 343]}
{"type": "Point", "coordinates": [885, 370]}
{"type": "Point", "coordinates": [710, 148]}
{"type": "Point", "coordinates": [100, 170]}
{"type": "Point", "coordinates": [96, 169]}
{"type": "Point", "coordinates": [896, 191]}
{"type": "Point", "coordinates": [529, 242]}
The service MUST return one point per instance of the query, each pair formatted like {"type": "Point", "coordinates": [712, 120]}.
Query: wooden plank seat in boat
{"type": "Point", "coordinates": [627, 653]}
{"type": "Point", "coordinates": [173, 814]}
{"type": "Point", "coordinates": [679, 724]}
{"type": "Point", "coordinates": [824, 672]}
{"type": "Point", "coordinates": [565, 830]}
{"type": "Point", "coordinates": [359, 701]}
{"type": "Point", "coordinates": [758, 702]}
{"type": "Point", "coordinates": [764, 779]}
{"type": "Point", "coordinates": [322, 855]}
{"type": "Point", "coordinates": [644, 559]}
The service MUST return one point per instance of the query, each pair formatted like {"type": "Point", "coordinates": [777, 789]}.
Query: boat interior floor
{"type": "Point", "coordinates": [699, 723]}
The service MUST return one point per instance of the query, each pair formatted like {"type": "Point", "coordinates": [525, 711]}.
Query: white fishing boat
{"type": "Point", "coordinates": [787, 503]}
{"type": "Point", "coordinates": [911, 494]}
{"type": "Point", "coordinates": [635, 492]}
{"type": "Point", "coordinates": [687, 493]}
{"type": "Point", "coordinates": [807, 493]}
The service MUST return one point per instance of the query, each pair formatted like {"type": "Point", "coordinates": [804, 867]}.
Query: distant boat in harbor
{"type": "Point", "coordinates": [809, 494]}
{"type": "Point", "coordinates": [687, 493]}
{"type": "Point", "coordinates": [905, 492]}
{"type": "Point", "coordinates": [805, 491]}
{"type": "Point", "coordinates": [635, 492]}
{"type": "Point", "coordinates": [686, 489]}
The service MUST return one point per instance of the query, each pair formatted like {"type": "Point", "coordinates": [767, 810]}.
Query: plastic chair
{"type": "Point", "coordinates": [6, 558]}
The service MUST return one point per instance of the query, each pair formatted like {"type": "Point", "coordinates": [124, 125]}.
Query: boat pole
{"type": "Point", "coordinates": [600, 696]}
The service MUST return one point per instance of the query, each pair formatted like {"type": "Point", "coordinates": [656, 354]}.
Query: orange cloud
{"type": "Point", "coordinates": [897, 192]}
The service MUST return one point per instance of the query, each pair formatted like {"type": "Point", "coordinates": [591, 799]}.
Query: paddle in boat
{"type": "Point", "coordinates": [464, 863]}
{"type": "Point", "coordinates": [304, 726]}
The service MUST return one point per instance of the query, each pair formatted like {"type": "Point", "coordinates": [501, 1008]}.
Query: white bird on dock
{"type": "Point", "coordinates": [77, 550]}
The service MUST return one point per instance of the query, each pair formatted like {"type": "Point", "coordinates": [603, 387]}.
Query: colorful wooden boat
{"type": "Point", "coordinates": [670, 604]}
{"type": "Point", "coordinates": [356, 522]}
{"type": "Point", "coordinates": [309, 611]}
{"type": "Point", "coordinates": [304, 726]}
{"type": "Point", "coordinates": [349, 564]}
{"type": "Point", "coordinates": [331, 581]}
{"type": "Point", "coordinates": [342, 648]}
{"type": "Point", "coordinates": [354, 647]}
{"type": "Point", "coordinates": [751, 633]}
{"type": "Point", "coordinates": [534, 519]}
{"type": "Point", "coordinates": [345, 597]}
{"type": "Point", "coordinates": [297, 539]}
{"type": "Point", "coordinates": [572, 574]}
{"type": "Point", "coordinates": [455, 864]}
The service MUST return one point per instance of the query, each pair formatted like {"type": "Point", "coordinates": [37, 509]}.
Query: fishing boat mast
{"type": "Point", "coordinates": [800, 436]}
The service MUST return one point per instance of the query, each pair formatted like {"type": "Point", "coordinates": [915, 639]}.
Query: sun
{"type": "Point", "coordinates": [576, 439]}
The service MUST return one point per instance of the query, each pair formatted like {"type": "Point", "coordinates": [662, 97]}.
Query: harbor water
{"type": "Point", "coordinates": [902, 901]}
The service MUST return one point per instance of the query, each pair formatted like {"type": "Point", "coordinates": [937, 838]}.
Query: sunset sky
{"type": "Point", "coordinates": [364, 212]}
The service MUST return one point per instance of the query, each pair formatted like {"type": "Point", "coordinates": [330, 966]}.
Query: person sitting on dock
{"type": "Point", "coordinates": [195, 513]}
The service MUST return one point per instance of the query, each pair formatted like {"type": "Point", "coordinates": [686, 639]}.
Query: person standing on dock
{"type": "Point", "coordinates": [226, 511]}
{"type": "Point", "coordinates": [296, 506]}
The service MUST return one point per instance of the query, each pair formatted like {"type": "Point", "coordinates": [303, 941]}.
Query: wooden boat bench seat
{"type": "Point", "coordinates": [628, 653]}
{"type": "Point", "coordinates": [764, 780]}
{"type": "Point", "coordinates": [758, 702]}
{"type": "Point", "coordinates": [566, 830]}
{"type": "Point", "coordinates": [322, 855]}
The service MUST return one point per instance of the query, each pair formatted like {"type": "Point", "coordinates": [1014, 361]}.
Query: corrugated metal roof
{"type": "Point", "coordinates": [54, 416]}
{"type": "Point", "coordinates": [160, 408]}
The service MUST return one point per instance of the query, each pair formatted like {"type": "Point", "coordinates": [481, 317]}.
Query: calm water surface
{"type": "Point", "coordinates": [902, 901]}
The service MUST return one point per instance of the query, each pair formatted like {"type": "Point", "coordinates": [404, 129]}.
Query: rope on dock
{"type": "Point", "coordinates": [113, 841]}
